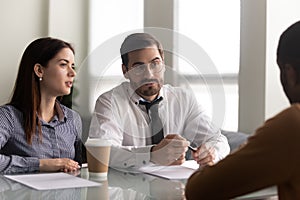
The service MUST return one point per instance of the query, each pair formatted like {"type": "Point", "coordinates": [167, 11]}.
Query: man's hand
{"type": "Point", "coordinates": [204, 155]}
{"type": "Point", "coordinates": [170, 151]}
{"type": "Point", "coordinates": [58, 164]}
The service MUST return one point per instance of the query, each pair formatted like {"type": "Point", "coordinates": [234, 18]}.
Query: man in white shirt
{"type": "Point", "coordinates": [121, 114]}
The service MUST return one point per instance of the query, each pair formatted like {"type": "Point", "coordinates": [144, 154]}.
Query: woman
{"type": "Point", "coordinates": [38, 133]}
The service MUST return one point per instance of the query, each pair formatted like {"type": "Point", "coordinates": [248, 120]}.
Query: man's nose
{"type": "Point", "coordinates": [147, 71]}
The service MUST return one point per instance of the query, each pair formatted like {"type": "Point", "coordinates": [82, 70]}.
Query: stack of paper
{"type": "Point", "coordinates": [183, 171]}
{"type": "Point", "coordinates": [50, 181]}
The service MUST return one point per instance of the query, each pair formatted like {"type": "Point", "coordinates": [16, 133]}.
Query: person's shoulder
{"type": "Point", "coordinates": [286, 119]}
{"type": "Point", "coordinates": [178, 91]}
{"type": "Point", "coordinates": [9, 108]}
{"type": "Point", "coordinates": [174, 89]}
{"type": "Point", "coordinates": [10, 112]}
{"type": "Point", "coordinates": [68, 112]}
{"type": "Point", "coordinates": [117, 90]}
{"type": "Point", "coordinates": [295, 107]}
{"type": "Point", "coordinates": [292, 111]}
{"type": "Point", "coordinates": [280, 128]}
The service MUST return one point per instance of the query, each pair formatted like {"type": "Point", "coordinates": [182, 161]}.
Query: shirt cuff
{"type": "Point", "coordinates": [23, 165]}
{"type": "Point", "coordinates": [143, 155]}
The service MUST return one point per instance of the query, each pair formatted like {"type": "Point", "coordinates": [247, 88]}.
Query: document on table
{"type": "Point", "coordinates": [51, 181]}
{"type": "Point", "coordinates": [171, 172]}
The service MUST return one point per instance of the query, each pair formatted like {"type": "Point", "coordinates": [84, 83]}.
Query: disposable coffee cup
{"type": "Point", "coordinates": [100, 192]}
{"type": "Point", "coordinates": [98, 152]}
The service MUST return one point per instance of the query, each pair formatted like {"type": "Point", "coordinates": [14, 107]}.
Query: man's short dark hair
{"type": "Point", "coordinates": [288, 49]}
{"type": "Point", "coordinates": [138, 41]}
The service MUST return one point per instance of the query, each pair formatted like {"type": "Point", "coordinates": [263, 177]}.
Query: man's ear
{"type": "Point", "coordinates": [38, 70]}
{"type": "Point", "coordinates": [291, 75]}
{"type": "Point", "coordinates": [125, 71]}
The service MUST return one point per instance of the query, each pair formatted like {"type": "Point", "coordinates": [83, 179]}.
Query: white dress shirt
{"type": "Point", "coordinates": [119, 117]}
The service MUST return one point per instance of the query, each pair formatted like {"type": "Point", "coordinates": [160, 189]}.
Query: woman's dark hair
{"type": "Point", "coordinates": [26, 95]}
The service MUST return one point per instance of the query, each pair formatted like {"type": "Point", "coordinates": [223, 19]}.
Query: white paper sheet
{"type": "Point", "coordinates": [183, 171]}
{"type": "Point", "coordinates": [51, 181]}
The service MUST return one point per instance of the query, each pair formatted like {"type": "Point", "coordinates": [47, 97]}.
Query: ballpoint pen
{"type": "Point", "coordinates": [193, 149]}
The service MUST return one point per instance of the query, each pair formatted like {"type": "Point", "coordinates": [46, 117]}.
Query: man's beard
{"type": "Point", "coordinates": [148, 91]}
{"type": "Point", "coordinates": [151, 90]}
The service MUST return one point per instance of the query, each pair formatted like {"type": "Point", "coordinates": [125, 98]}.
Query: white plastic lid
{"type": "Point", "coordinates": [97, 142]}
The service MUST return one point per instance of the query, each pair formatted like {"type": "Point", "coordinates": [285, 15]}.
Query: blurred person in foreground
{"type": "Point", "coordinates": [272, 155]}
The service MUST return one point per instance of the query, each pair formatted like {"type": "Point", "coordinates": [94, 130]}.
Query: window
{"type": "Point", "coordinates": [215, 26]}
{"type": "Point", "coordinates": [109, 19]}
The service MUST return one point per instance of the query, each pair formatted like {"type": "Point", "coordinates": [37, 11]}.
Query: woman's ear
{"type": "Point", "coordinates": [125, 71]}
{"type": "Point", "coordinates": [38, 70]}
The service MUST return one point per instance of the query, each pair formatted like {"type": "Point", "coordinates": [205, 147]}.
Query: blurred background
{"type": "Point", "coordinates": [239, 38]}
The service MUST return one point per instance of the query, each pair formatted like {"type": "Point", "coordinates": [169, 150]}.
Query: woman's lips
{"type": "Point", "coordinates": [69, 83]}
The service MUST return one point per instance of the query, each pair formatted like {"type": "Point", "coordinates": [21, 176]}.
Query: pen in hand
{"type": "Point", "coordinates": [193, 149]}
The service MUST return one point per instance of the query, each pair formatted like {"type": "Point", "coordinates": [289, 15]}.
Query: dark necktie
{"type": "Point", "coordinates": [155, 123]}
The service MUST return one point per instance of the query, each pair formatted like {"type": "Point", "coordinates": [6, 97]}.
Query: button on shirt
{"type": "Point", "coordinates": [61, 138]}
{"type": "Point", "coordinates": [119, 117]}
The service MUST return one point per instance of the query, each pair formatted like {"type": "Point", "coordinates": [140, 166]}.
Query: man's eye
{"type": "Point", "coordinates": [155, 64]}
{"type": "Point", "coordinates": [136, 66]}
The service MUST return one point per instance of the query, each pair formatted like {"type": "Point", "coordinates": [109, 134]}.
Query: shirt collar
{"type": "Point", "coordinates": [60, 111]}
{"type": "Point", "coordinates": [60, 116]}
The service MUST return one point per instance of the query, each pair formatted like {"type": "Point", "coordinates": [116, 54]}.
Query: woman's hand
{"type": "Point", "coordinates": [58, 164]}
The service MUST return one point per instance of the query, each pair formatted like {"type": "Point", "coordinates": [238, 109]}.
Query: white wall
{"type": "Point", "coordinates": [252, 65]}
{"type": "Point", "coordinates": [280, 15]}
{"type": "Point", "coordinates": [263, 21]}
{"type": "Point", "coordinates": [21, 22]}
{"type": "Point", "coordinates": [261, 94]}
